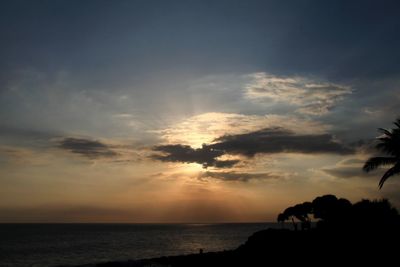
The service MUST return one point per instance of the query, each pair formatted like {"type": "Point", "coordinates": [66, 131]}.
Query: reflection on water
{"type": "Point", "coordinates": [56, 244]}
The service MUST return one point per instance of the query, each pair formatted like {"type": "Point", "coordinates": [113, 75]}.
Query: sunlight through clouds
{"type": "Point", "coordinates": [206, 127]}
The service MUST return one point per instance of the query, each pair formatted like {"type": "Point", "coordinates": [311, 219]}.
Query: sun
{"type": "Point", "coordinates": [192, 168]}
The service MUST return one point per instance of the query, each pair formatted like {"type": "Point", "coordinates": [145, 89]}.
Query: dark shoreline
{"type": "Point", "coordinates": [313, 247]}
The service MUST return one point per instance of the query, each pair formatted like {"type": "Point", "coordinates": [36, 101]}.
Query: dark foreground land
{"type": "Point", "coordinates": [365, 233]}
{"type": "Point", "coordinates": [314, 247]}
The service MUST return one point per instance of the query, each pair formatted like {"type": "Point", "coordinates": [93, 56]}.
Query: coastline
{"type": "Point", "coordinates": [314, 247]}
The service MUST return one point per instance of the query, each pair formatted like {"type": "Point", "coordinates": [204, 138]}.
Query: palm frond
{"type": "Point", "coordinates": [385, 132]}
{"type": "Point", "coordinates": [397, 122]}
{"type": "Point", "coordinates": [375, 162]}
{"type": "Point", "coordinates": [389, 143]}
{"type": "Point", "coordinates": [392, 171]}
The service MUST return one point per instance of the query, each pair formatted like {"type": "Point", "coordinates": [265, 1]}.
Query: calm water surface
{"type": "Point", "coordinates": [24, 245]}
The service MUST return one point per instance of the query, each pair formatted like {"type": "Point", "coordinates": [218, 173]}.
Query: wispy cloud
{"type": "Point", "coordinates": [345, 172]}
{"type": "Point", "coordinates": [308, 96]}
{"type": "Point", "coordinates": [349, 168]}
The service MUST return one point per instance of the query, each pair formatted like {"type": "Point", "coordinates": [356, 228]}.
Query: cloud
{"type": "Point", "coordinates": [205, 155]}
{"type": "Point", "coordinates": [344, 172]}
{"type": "Point", "coordinates": [26, 137]}
{"type": "Point", "coordinates": [278, 140]}
{"type": "Point", "coordinates": [225, 163]}
{"type": "Point", "coordinates": [86, 147]}
{"type": "Point", "coordinates": [7, 131]}
{"type": "Point", "coordinates": [265, 141]}
{"type": "Point", "coordinates": [206, 127]}
{"type": "Point", "coordinates": [349, 172]}
{"type": "Point", "coordinates": [353, 162]}
{"type": "Point", "coordinates": [349, 168]}
{"type": "Point", "coordinates": [309, 97]}
{"type": "Point", "coordinates": [237, 176]}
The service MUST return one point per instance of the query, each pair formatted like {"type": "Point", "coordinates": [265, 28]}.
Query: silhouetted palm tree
{"type": "Point", "coordinates": [389, 143]}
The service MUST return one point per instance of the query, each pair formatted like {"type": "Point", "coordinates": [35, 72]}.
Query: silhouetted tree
{"type": "Point", "coordinates": [340, 214]}
{"type": "Point", "coordinates": [300, 212]}
{"type": "Point", "coordinates": [389, 143]}
{"type": "Point", "coordinates": [331, 210]}
{"type": "Point", "coordinates": [282, 218]}
{"type": "Point", "coordinates": [376, 213]}
{"type": "Point", "coordinates": [290, 213]}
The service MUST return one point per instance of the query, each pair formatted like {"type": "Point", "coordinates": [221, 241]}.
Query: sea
{"type": "Point", "coordinates": [43, 245]}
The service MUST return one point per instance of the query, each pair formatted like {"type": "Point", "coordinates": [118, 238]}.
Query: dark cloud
{"type": "Point", "coordinates": [85, 147]}
{"type": "Point", "coordinates": [276, 140]}
{"type": "Point", "coordinates": [205, 155]}
{"type": "Point", "coordinates": [269, 140]}
{"type": "Point", "coordinates": [24, 133]}
{"type": "Point", "coordinates": [236, 176]}
{"type": "Point", "coordinates": [357, 38]}
{"type": "Point", "coordinates": [225, 163]}
{"type": "Point", "coordinates": [25, 136]}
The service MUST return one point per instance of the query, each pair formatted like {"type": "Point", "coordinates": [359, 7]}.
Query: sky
{"type": "Point", "coordinates": [192, 111]}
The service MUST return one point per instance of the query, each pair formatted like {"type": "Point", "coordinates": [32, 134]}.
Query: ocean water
{"type": "Point", "coordinates": [39, 245]}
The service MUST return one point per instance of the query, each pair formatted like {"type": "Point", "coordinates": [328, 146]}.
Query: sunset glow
{"type": "Point", "coordinates": [209, 112]}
